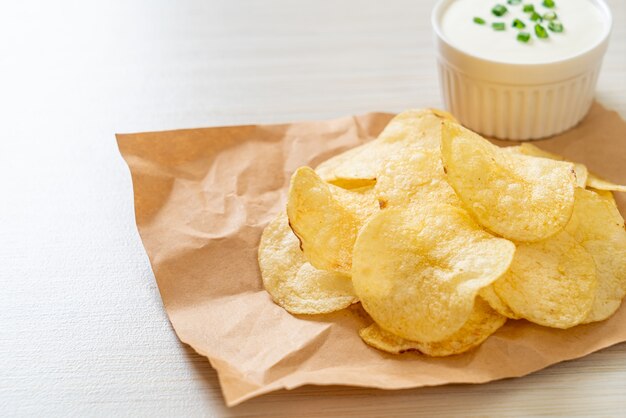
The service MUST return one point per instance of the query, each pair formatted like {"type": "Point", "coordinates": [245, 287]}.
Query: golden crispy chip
{"type": "Point", "coordinates": [354, 168]}
{"type": "Point", "coordinates": [414, 176]}
{"type": "Point", "coordinates": [605, 194]}
{"type": "Point", "coordinates": [489, 294]}
{"type": "Point", "coordinates": [519, 197]}
{"type": "Point", "coordinates": [417, 271]}
{"type": "Point", "coordinates": [597, 224]}
{"type": "Point", "coordinates": [360, 201]}
{"type": "Point", "coordinates": [327, 218]}
{"type": "Point", "coordinates": [292, 282]}
{"type": "Point", "coordinates": [359, 166]}
{"type": "Point", "coordinates": [596, 182]}
{"type": "Point", "coordinates": [529, 149]}
{"type": "Point", "coordinates": [550, 282]}
{"type": "Point", "coordinates": [416, 127]}
{"type": "Point", "coordinates": [351, 184]}
{"type": "Point", "coordinates": [482, 322]}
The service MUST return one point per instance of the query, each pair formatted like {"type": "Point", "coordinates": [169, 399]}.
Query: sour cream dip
{"type": "Point", "coordinates": [520, 69]}
{"type": "Point", "coordinates": [584, 26]}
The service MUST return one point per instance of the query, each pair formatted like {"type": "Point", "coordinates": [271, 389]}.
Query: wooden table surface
{"type": "Point", "coordinates": [83, 330]}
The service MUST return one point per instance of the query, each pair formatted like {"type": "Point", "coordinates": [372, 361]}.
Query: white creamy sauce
{"type": "Point", "coordinates": [584, 26]}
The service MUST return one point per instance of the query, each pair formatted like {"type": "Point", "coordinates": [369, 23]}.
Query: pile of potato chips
{"type": "Point", "coordinates": [442, 236]}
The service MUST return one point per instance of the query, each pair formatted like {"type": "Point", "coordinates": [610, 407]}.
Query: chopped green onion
{"type": "Point", "coordinates": [514, 2]}
{"type": "Point", "coordinates": [498, 26]}
{"type": "Point", "coordinates": [555, 26]}
{"type": "Point", "coordinates": [479, 20]}
{"type": "Point", "coordinates": [535, 17]}
{"type": "Point", "coordinates": [523, 37]}
{"type": "Point", "coordinates": [549, 16]}
{"type": "Point", "coordinates": [499, 10]}
{"type": "Point", "coordinates": [518, 24]}
{"type": "Point", "coordinates": [529, 8]}
{"type": "Point", "coordinates": [541, 32]}
{"type": "Point", "coordinates": [549, 4]}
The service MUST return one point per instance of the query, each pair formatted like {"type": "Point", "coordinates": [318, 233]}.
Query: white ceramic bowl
{"type": "Point", "coordinates": [517, 101]}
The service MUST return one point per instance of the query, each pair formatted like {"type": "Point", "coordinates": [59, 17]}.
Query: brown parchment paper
{"type": "Point", "coordinates": [202, 198]}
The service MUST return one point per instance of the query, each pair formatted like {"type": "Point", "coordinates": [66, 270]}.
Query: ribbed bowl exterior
{"type": "Point", "coordinates": [517, 112]}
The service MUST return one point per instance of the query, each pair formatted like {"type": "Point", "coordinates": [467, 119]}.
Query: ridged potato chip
{"type": "Point", "coordinates": [581, 170]}
{"type": "Point", "coordinates": [292, 282]}
{"type": "Point", "coordinates": [417, 271]}
{"type": "Point", "coordinates": [519, 197]}
{"type": "Point", "coordinates": [550, 282]}
{"type": "Point", "coordinates": [482, 322]}
{"type": "Point", "coordinates": [597, 224]}
{"type": "Point", "coordinates": [360, 166]}
{"type": "Point", "coordinates": [326, 219]}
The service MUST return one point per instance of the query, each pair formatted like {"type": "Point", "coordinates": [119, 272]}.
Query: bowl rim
{"type": "Point", "coordinates": [437, 13]}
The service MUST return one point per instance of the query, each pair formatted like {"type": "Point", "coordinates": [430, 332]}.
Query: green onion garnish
{"type": "Point", "coordinates": [498, 26]}
{"type": "Point", "coordinates": [499, 10]}
{"type": "Point", "coordinates": [528, 8]}
{"type": "Point", "coordinates": [523, 37]}
{"type": "Point", "coordinates": [518, 24]}
{"type": "Point", "coordinates": [549, 16]}
{"type": "Point", "coordinates": [535, 17]}
{"type": "Point", "coordinates": [555, 26]}
{"type": "Point", "coordinates": [514, 2]}
{"type": "Point", "coordinates": [549, 4]}
{"type": "Point", "coordinates": [541, 32]}
{"type": "Point", "coordinates": [479, 21]}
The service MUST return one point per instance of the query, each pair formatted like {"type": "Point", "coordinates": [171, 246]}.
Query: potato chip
{"type": "Point", "coordinates": [491, 297]}
{"type": "Point", "coordinates": [292, 282]}
{"type": "Point", "coordinates": [581, 170]}
{"type": "Point", "coordinates": [414, 176]}
{"type": "Point", "coordinates": [596, 182]}
{"type": "Point", "coordinates": [597, 224]}
{"type": "Point", "coordinates": [416, 127]}
{"type": "Point", "coordinates": [360, 166]}
{"type": "Point", "coordinates": [417, 271]}
{"type": "Point", "coordinates": [519, 197]}
{"type": "Point", "coordinates": [360, 201]}
{"type": "Point", "coordinates": [354, 168]}
{"type": "Point", "coordinates": [326, 219]}
{"type": "Point", "coordinates": [482, 322]}
{"type": "Point", "coordinates": [550, 282]}
{"type": "Point", "coordinates": [605, 194]}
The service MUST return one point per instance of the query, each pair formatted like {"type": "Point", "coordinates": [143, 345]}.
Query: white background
{"type": "Point", "coordinates": [82, 327]}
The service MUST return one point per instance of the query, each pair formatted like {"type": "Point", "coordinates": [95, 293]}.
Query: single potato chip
{"type": "Point", "coordinates": [327, 219]}
{"type": "Point", "coordinates": [605, 194]}
{"type": "Point", "coordinates": [550, 282]}
{"type": "Point", "coordinates": [482, 322]}
{"type": "Point", "coordinates": [417, 271]}
{"type": "Point", "coordinates": [491, 297]}
{"type": "Point", "coordinates": [519, 197]}
{"type": "Point", "coordinates": [414, 176]}
{"type": "Point", "coordinates": [597, 224]}
{"type": "Point", "coordinates": [360, 201]}
{"type": "Point", "coordinates": [581, 170]}
{"type": "Point", "coordinates": [292, 282]}
{"type": "Point", "coordinates": [596, 182]}
{"type": "Point", "coordinates": [360, 166]}
{"type": "Point", "coordinates": [354, 168]}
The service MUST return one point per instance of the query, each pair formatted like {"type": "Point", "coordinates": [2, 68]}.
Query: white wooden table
{"type": "Point", "coordinates": [82, 327]}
